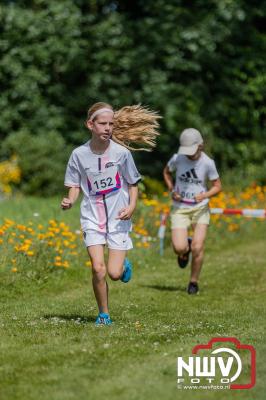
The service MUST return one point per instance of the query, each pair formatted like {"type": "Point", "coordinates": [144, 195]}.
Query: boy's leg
{"type": "Point", "coordinates": [99, 283]}
{"type": "Point", "coordinates": [197, 248]}
{"type": "Point", "coordinates": [115, 263]}
{"type": "Point", "coordinates": [180, 241]}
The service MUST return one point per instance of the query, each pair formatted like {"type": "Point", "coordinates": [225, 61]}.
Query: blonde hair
{"type": "Point", "coordinates": [134, 126]}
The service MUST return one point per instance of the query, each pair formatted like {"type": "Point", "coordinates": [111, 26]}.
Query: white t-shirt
{"type": "Point", "coordinates": [104, 181]}
{"type": "Point", "coordinates": [191, 178]}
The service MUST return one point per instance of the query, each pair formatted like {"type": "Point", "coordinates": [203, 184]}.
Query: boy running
{"type": "Point", "coordinates": [193, 169]}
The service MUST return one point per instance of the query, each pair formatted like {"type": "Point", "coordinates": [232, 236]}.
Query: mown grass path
{"type": "Point", "coordinates": [50, 348]}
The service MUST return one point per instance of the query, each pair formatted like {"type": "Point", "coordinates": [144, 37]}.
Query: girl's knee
{"type": "Point", "coordinates": [114, 275]}
{"type": "Point", "coordinates": [98, 270]}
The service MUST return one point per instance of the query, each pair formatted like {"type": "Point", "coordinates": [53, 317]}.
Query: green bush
{"type": "Point", "coordinates": [153, 186]}
{"type": "Point", "coordinates": [42, 160]}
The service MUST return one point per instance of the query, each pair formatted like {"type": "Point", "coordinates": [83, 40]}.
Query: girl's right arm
{"type": "Point", "coordinates": [73, 195]}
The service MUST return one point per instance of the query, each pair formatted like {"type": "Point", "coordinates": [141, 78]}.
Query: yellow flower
{"type": "Point", "coordinates": [65, 264]}
{"type": "Point", "coordinates": [21, 227]}
{"type": "Point", "coordinates": [58, 264]}
{"type": "Point", "coordinates": [52, 222]}
{"type": "Point", "coordinates": [14, 269]}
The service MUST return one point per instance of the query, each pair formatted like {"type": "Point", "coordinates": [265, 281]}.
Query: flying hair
{"type": "Point", "coordinates": [136, 126]}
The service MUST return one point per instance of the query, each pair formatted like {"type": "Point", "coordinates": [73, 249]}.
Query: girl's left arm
{"type": "Point", "coordinates": [133, 196]}
{"type": "Point", "coordinates": [127, 212]}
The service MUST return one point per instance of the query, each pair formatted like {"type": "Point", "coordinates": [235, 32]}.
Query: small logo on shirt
{"type": "Point", "coordinates": [190, 177]}
{"type": "Point", "coordinates": [109, 164]}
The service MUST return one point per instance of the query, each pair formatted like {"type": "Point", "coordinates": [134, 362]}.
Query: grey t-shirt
{"type": "Point", "coordinates": [104, 181]}
{"type": "Point", "coordinates": [191, 178]}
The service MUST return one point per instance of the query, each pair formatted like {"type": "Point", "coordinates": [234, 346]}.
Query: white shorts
{"type": "Point", "coordinates": [114, 240]}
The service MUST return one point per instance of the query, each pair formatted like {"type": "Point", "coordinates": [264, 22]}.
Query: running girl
{"type": "Point", "coordinates": [105, 172]}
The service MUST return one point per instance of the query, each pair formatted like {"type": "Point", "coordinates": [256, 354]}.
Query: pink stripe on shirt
{"type": "Point", "coordinates": [102, 217]}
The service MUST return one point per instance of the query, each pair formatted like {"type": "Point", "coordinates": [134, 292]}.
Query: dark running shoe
{"type": "Point", "coordinates": [183, 261]}
{"type": "Point", "coordinates": [193, 288]}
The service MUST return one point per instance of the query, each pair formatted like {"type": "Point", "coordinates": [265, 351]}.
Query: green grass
{"type": "Point", "coordinates": [50, 348]}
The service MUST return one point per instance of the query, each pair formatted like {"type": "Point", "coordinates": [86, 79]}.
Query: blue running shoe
{"type": "Point", "coordinates": [127, 271]}
{"type": "Point", "coordinates": [103, 319]}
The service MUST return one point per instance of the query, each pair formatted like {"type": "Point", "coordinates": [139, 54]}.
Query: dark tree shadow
{"type": "Point", "coordinates": [165, 288]}
{"type": "Point", "coordinates": [72, 317]}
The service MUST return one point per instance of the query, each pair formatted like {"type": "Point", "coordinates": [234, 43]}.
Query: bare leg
{"type": "Point", "coordinates": [99, 283]}
{"type": "Point", "coordinates": [115, 263]}
{"type": "Point", "coordinates": [197, 247]}
{"type": "Point", "coordinates": [179, 241]}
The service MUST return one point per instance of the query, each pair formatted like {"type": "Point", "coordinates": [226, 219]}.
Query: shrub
{"type": "Point", "coordinates": [9, 174]}
{"type": "Point", "coordinates": [41, 159]}
{"type": "Point", "coordinates": [153, 186]}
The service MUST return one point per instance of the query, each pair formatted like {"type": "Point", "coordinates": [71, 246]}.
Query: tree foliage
{"type": "Point", "coordinates": [200, 64]}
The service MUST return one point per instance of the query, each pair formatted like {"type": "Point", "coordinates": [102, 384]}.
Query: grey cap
{"type": "Point", "coordinates": [189, 140]}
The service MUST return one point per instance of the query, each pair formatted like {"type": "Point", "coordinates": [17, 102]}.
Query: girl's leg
{"type": "Point", "coordinates": [179, 241]}
{"type": "Point", "coordinates": [99, 283]}
{"type": "Point", "coordinates": [115, 263]}
{"type": "Point", "coordinates": [197, 248]}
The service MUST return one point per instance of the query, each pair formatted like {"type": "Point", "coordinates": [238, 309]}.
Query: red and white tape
{"type": "Point", "coordinates": [246, 212]}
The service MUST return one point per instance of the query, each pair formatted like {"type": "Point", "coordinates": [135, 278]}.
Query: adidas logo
{"type": "Point", "coordinates": [190, 174]}
{"type": "Point", "coordinates": [190, 177]}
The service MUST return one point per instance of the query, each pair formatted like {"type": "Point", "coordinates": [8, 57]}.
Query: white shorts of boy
{"type": "Point", "coordinates": [114, 240]}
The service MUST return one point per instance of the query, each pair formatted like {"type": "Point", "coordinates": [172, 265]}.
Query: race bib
{"type": "Point", "coordinates": [187, 196]}
{"type": "Point", "coordinates": [100, 183]}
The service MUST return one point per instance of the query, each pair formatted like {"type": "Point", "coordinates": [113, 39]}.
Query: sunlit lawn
{"type": "Point", "coordinates": [50, 348]}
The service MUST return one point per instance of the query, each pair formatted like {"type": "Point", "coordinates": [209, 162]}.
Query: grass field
{"type": "Point", "coordinates": [50, 348]}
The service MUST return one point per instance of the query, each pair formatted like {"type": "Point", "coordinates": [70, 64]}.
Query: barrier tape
{"type": "Point", "coordinates": [161, 231]}
{"type": "Point", "coordinates": [246, 212]}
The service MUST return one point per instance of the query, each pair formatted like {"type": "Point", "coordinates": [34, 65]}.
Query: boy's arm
{"type": "Point", "coordinates": [168, 178]}
{"type": "Point", "coordinates": [73, 195]}
{"type": "Point", "coordinates": [215, 189]}
{"type": "Point", "coordinates": [127, 212]}
{"type": "Point", "coordinates": [170, 184]}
